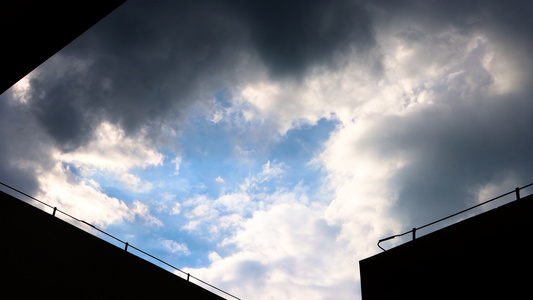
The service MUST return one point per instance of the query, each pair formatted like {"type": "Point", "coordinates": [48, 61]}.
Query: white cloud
{"type": "Point", "coordinates": [141, 211]}
{"type": "Point", "coordinates": [217, 218]}
{"type": "Point", "coordinates": [175, 247]}
{"type": "Point", "coordinates": [176, 209]}
{"type": "Point", "coordinates": [21, 88]}
{"type": "Point", "coordinates": [114, 152]}
{"type": "Point", "coordinates": [200, 211]}
{"type": "Point", "coordinates": [495, 189]}
{"type": "Point", "coordinates": [281, 251]}
{"type": "Point", "coordinates": [282, 104]}
{"type": "Point", "coordinates": [84, 200]}
{"type": "Point", "coordinates": [217, 116]}
{"type": "Point", "coordinates": [213, 256]}
{"type": "Point", "coordinates": [235, 202]}
{"type": "Point", "coordinates": [359, 177]}
{"type": "Point", "coordinates": [81, 200]}
{"type": "Point", "coordinates": [269, 172]}
{"type": "Point", "coordinates": [177, 162]}
{"type": "Point", "coordinates": [135, 183]}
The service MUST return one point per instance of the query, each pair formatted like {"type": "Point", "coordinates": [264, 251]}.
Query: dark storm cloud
{"type": "Point", "coordinates": [454, 153]}
{"type": "Point", "coordinates": [511, 19]}
{"type": "Point", "coordinates": [62, 111]}
{"type": "Point", "coordinates": [149, 61]}
{"type": "Point", "coordinates": [476, 143]}
{"type": "Point", "coordinates": [145, 64]}
{"type": "Point", "coordinates": [291, 36]}
{"type": "Point", "coordinates": [20, 143]}
{"type": "Point", "coordinates": [474, 139]}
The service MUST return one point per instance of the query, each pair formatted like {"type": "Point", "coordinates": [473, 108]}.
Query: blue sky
{"type": "Point", "coordinates": [265, 147]}
{"type": "Point", "coordinates": [211, 165]}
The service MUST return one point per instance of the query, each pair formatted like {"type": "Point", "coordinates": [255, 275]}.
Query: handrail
{"type": "Point", "coordinates": [126, 244]}
{"type": "Point", "coordinates": [413, 231]}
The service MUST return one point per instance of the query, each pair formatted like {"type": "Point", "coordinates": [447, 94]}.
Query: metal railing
{"type": "Point", "coordinates": [126, 244]}
{"type": "Point", "coordinates": [414, 230]}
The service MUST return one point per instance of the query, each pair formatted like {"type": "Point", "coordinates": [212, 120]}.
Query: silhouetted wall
{"type": "Point", "coordinates": [44, 257]}
{"type": "Point", "coordinates": [484, 257]}
{"type": "Point", "coordinates": [32, 31]}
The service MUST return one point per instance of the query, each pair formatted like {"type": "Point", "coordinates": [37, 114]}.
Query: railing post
{"type": "Point", "coordinates": [54, 212]}
{"type": "Point", "coordinates": [414, 233]}
{"type": "Point", "coordinates": [126, 248]}
{"type": "Point", "coordinates": [517, 190]}
{"type": "Point", "coordinates": [188, 275]}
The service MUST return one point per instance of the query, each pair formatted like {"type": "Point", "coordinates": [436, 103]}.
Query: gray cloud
{"type": "Point", "coordinates": [146, 64]}
{"type": "Point", "coordinates": [455, 153]}
{"type": "Point", "coordinates": [291, 36]}
{"type": "Point", "coordinates": [474, 139]}
{"type": "Point", "coordinates": [22, 142]}
{"type": "Point", "coordinates": [149, 61]}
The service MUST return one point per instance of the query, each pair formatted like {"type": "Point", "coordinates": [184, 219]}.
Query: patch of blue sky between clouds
{"type": "Point", "coordinates": [187, 189]}
{"type": "Point", "coordinates": [213, 169]}
{"type": "Point", "coordinates": [298, 148]}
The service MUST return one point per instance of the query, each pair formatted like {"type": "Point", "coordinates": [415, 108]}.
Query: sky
{"type": "Point", "coordinates": [266, 146]}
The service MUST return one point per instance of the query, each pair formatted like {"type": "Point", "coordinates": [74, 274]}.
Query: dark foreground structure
{"type": "Point", "coordinates": [34, 30]}
{"type": "Point", "coordinates": [484, 257]}
{"type": "Point", "coordinates": [44, 257]}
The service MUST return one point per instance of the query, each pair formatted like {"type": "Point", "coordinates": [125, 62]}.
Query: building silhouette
{"type": "Point", "coordinates": [487, 256]}
{"type": "Point", "coordinates": [43, 256]}
{"type": "Point", "coordinates": [34, 30]}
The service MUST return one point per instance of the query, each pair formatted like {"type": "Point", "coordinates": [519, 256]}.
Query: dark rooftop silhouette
{"type": "Point", "coordinates": [44, 255]}
{"type": "Point", "coordinates": [33, 31]}
{"type": "Point", "coordinates": [482, 257]}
